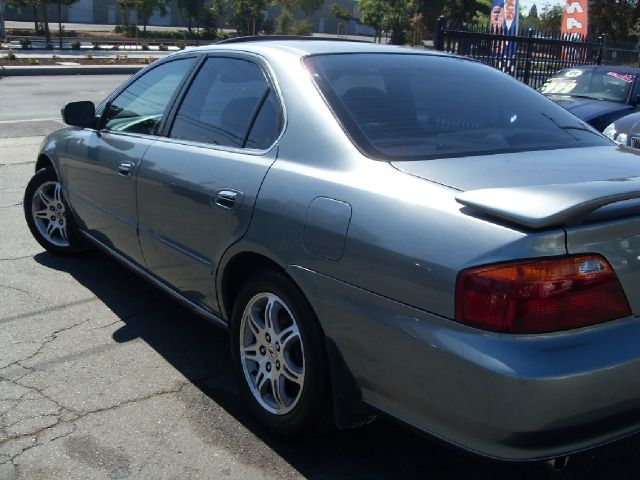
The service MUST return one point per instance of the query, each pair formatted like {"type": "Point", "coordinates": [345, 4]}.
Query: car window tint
{"type": "Point", "coordinates": [404, 106]}
{"type": "Point", "coordinates": [267, 124]}
{"type": "Point", "coordinates": [139, 107]}
{"type": "Point", "coordinates": [222, 102]}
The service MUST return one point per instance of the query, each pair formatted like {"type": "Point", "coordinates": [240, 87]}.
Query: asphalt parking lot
{"type": "Point", "coordinates": [102, 376]}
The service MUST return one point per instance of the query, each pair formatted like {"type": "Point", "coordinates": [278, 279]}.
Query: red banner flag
{"type": "Point", "coordinates": [574, 19]}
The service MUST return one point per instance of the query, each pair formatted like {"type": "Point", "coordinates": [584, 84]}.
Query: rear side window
{"type": "Point", "coordinates": [230, 103]}
{"type": "Point", "coordinates": [140, 106]}
{"type": "Point", "coordinates": [404, 106]}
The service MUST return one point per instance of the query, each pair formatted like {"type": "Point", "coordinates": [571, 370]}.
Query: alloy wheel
{"type": "Point", "coordinates": [49, 213]}
{"type": "Point", "coordinates": [272, 353]}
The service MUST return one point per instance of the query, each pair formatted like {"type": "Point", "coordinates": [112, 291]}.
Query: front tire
{"type": "Point", "coordinates": [48, 216]}
{"type": "Point", "coordinates": [278, 355]}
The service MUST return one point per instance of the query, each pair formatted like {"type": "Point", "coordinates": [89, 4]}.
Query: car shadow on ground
{"type": "Point", "coordinates": [200, 352]}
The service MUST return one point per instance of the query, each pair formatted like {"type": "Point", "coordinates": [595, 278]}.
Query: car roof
{"type": "Point", "coordinates": [301, 48]}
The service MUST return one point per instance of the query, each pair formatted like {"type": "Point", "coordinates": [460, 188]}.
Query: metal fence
{"type": "Point", "coordinates": [534, 56]}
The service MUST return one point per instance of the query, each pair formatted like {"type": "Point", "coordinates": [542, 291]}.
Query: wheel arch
{"type": "Point", "coordinates": [43, 162]}
{"type": "Point", "coordinates": [348, 409]}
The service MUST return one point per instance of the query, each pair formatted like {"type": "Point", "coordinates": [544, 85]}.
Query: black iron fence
{"type": "Point", "coordinates": [532, 56]}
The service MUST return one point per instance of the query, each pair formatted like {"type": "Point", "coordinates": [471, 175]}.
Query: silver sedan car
{"type": "Point", "coordinates": [381, 230]}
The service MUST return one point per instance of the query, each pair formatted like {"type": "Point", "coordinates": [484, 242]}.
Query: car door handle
{"type": "Point", "coordinates": [126, 168]}
{"type": "Point", "coordinates": [227, 198]}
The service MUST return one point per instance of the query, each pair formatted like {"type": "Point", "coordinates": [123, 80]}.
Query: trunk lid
{"type": "Point", "coordinates": [594, 193]}
{"type": "Point", "coordinates": [575, 165]}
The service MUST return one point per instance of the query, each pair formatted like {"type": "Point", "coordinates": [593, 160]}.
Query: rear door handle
{"type": "Point", "coordinates": [126, 168]}
{"type": "Point", "coordinates": [227, 198]}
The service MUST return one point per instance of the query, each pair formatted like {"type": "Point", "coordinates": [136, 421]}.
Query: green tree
{"type": "Point", "coordinates": [372, 13]}
{"type": "Point", "coordinates": [614, 18]}
{"type": "Point", "coordinates": [44, 8]}
{"type": "Point", "coordinates": [341, 14]}
{"type": "Point", "coordinates": [190, 11]}
{"type": "Point", "coordinates": [146, 8]}
{"type": "Point", "coordinates": [245, 15]}
{"type": "Point", "coordinates": [533, 11]}
{"type": "Point", "coordinates": [286, 24]}
{"type": "Point", "coordinates": [393, 16]}
{"type": "Point", "coordinates": [551, 18]}
{"type": "Point", "coordinates": [27, 3]}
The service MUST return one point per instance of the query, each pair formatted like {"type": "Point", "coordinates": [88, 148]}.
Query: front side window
{"type": "Point", "coordinates": [140, 106]}
{"type": "Point", "coordinates": [230, 103]}
{"type": "Point", "coordinates": [584, 83]}
{"type": "Point", "coordinates": [405, 106]}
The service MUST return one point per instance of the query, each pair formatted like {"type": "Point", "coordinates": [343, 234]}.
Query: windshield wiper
{"type": "Point", "coordinates": [585, 96]}
{"type": "Point", "coordinates": [579, 127]}
{"type": "Point", "coordinates": [582, 128]}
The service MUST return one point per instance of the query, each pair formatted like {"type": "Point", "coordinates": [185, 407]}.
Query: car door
{"type": "Point", "coordinates": [198, 185]}
{"type": "Point", "coordinates": [99, 166]}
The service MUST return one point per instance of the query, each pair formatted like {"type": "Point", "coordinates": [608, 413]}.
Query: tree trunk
{"type": "Point", "coordinates": [35, 18]}
{"type": "Point", "coordinates": [45, 19]}
{"type": "Point", "coordinates": [60, 22]}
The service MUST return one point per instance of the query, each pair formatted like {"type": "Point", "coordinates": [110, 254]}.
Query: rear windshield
{"type": "Point", "coordinates": [404, 106]}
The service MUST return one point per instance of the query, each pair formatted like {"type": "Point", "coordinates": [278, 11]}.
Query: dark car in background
{"type": "Point", "coordinates": [625, 130]}
{"type": "Point", "coordinates": [599, 95]}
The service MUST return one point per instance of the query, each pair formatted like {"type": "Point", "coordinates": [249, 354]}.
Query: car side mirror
{"type": "Point", "coordinates": [79, 114]}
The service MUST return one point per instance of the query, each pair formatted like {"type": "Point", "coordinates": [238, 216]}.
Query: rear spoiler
{"type": "Point", "coordinates": [544, 206]}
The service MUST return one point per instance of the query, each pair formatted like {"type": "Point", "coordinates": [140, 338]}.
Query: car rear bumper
{"type": "Point", "coordinates": [513, 397]}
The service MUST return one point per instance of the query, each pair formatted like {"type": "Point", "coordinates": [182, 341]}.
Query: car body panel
{"type": "Point", "coordinates": [104, 199]}
{"type": "Point", "coordinates": [506, 396]}
{"type": "Point", "coordinates": [183, 231]}
{"type": "Point", "coordinates": [527, 169]}
{"type": "Point", "coordinates": [383, 290]}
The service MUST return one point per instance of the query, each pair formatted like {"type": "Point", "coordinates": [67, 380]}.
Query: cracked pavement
{"type": "Point", "coordinates": [104, 377]}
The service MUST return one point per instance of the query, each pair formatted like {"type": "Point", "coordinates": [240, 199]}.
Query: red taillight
{"type": "Point", "coordinates": [535, 296]}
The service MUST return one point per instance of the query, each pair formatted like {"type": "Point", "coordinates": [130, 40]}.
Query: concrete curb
{"type": "Point", "coordinates": [79, 70]}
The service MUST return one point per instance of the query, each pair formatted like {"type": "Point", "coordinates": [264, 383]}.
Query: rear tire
{"type": "Point", "coordinates": [279, 357]}
{"type": "Point", "coordinates": [48, 216]}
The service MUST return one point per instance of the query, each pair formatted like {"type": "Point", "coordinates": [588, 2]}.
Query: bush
{"type": "Point", "coordinates": [181, 44]}
{"type": "Point", "coordinates": [34, 61]}
{"type": "Point", "coordinates": [96, 46]}
{"type": "Point", "coordinates": [88, 56]}
{"type": "Point", "coordinates": [120, 58]}
{"type": "Point", "coordinates": [162, 47]}
{"type": "Point", "coordinates": [301, 27]}
{"type": "Point", "coordinates": [284, 23]}
{"type": "Point", "coordinates": [75, 45]}
{"type": "Point", "coordinates": [25, 43]}
{"type": "Point", "coordinates": [145, 46]}
{"type": "Point", "coordinates": [10, 56]}
{"type": "Point", "coordinates": [55, 58]}
{"type": "Point", "coordinates": [129, 30]}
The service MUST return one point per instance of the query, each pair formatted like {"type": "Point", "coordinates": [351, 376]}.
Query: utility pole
{"type": "Point", "coordinates": [2, 30]}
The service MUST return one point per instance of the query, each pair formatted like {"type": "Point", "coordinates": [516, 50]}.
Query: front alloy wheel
{"type": "Point", "coordinates": [47, 214]}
